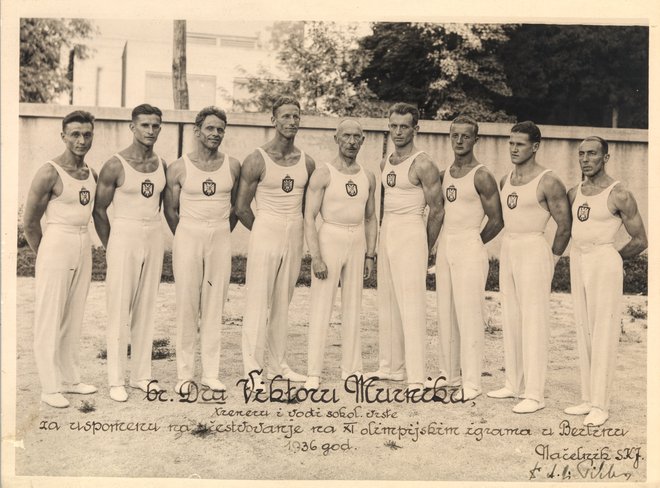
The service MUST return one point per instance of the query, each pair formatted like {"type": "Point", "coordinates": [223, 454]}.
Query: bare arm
{"type": "Point", "coordinates": [626, 205]}
{"type": "Point", "coordinates": [173, 176]}
{"type": "Point", "coordinates": [382, 193]}
{"type": "Point", "coordinates": [310, 165]}
{"type": "Point", "coordinates": [235, 169]}
{"type": "Point", "coordinates": [251, 172]}
{"type": "Point", "coordinates": [105, 192]}
{"type": "Point", "coordinates": [429, 177]}
{"type": "Point", "coordinates": [314, 197]}
{"type": "Point", "coordinates": [486, 186]}
{"type": "Point", "coordinates": [161, 197]}
{"type": "Point", "coordinates": [38, 197]}
{"type": "Point", "coordinates": [370, 225]}
{"type": "Point", "coordinates": [554, 192]}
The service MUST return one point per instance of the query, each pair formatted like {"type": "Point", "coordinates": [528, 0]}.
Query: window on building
{"type": "Point", "coordinates": [201, 90]}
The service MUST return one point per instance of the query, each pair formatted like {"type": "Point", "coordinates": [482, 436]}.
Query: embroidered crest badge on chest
{"type": "Point", "coordinates": [512, 200]}
{"type": "Point", "coordinates": [84, 196]}
{"type": "Point", "coordinates": [208, 187]}
{"type": "Point", "coordinates": [351, 188]}
{"type": "Point", "coordinates": [451, 193]}
{"type": "Point", "coordinates": [391, 179]}
{"type": "Point", "coordinates": [287, 184]}
{"type": "Point", "coordinates": [147, 188]}
{"type": "Point", "coordinates": [583, 212]}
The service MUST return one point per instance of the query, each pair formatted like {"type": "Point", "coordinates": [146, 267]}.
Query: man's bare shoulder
{"type": "Point", "coordinates": [551, 183]}
{"type": "Point", "coordinates": [484, 175]}
{"type": "Point", "coordinates": [320, 177]}
{"type": "Point", "coordinates": [622, 197]}
{"type": "Point", "coordinates": [46, 175]}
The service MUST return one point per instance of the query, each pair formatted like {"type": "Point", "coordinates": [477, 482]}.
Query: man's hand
{"type": "Point", "coordinates": [319, 268]}
{"type": "Point", "coordinates": [368, 267]}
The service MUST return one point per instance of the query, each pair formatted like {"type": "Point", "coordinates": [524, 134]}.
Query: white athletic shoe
{"type": "Point", "coordinates": [80, 389]}
{"type": "Point", "coordinates": [470, 394]}
{"type": "Point", "coordinates": [501, 393]}
{"type": "Point", "coordinates": [581, 409]}
{"type": "Point", "coordinates": [289, 375]}
{"type": "Point", "coordinates": [312, 383]}
{"type": "Point", "coordinates": [382, 375]}
{"type": "Point", "coordinates": [528, 406]}
{"type": "Point", "coordinates": [56, 400]}
{"type": "Point", "coordinates": [596, 417]}
{"type": "Point", "coordinates": [214, 384]}
{"type": "Point", "coordinates": [145, 386]}
{"type": "Point", "coordinates": [118, 393]}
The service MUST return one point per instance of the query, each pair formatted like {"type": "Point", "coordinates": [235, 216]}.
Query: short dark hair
{"type": "Point", "coordinates": [146, 109]}
{"type": "Point", "coordinates": [285, 100]}
{"type": "Point", "coordinates": [528, 127]}
{"type": "Point", "coordinates": [467, 120]}
{"type": "Point", "coordinates": [402, 108]}
{"type": "Point", "coordinates": [210, 110]}
{"type": "Point", "coordinates": [77, 116]}
{"type": "Point", "coordinates": [603, 143]}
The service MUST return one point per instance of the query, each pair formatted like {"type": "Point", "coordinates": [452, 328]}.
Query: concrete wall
{"type": "Point", "coordinates": [40, 127]}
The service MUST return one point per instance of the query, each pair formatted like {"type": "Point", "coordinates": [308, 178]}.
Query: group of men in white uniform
{"type": "Point", "coordinates": [204, 193]}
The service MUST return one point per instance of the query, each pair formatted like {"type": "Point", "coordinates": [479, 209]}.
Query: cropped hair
{"type": "Point", "coordinates": [603, 143]}
{"type": "Point", "coordinates": [146, 109]}
{"type": "Point", "coordinates": [466, 119]}
{"type": "Point", "coordinates": [77, 116]}
{"type": "Point", "coordinates": [285, 100]}
{"type": "Point", "coordinates": [402, 108]}
{"type": "Point", "coordinates": [210, 110]}
{"type": "Point", "coordinates": [528, 127]}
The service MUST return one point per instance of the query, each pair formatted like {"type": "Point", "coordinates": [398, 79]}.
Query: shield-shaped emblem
{"type": "Point", "coordinates": [351, 188]}
{"type": "Point", "coordinates": [287, 184]}
{"type": "Point", "coordinates": [451, 193]}
{"type": "Point", "coordinates": [208, 187]}
{"type": "Point", "coordinates": [391, 179]}
{"type": "Point", "coordinates": [512, 200]}
{"type": "Point", "coordinates": [84, 196]}
{"type": "Point", "coordinates": [147, 188]}
{"type": "Point", "coordinates": [583, 212]}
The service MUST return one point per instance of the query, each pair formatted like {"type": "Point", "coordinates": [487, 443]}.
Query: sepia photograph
{"type": "Point", "coordinates": [267, 244]}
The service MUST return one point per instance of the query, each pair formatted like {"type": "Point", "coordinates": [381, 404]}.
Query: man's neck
{"type": "Point", "coordinates": [600, 179]}
{"type": "Point", "coordinates": [139, 151]}
{"type": "Point", "coordinates": [462, 160]}
{"type": "Point", "coordinates": [205, 154]}
{"type": "Point", "coordinates": [282, 145]}
{"type": "Point", "coordinates": [525, 169]}
{"type": "Point", "coordinates": [70, 160]}
{"type": "Point", "coordinates": [342, 162]}
{"type": "Point", "coordinates": [404, 151]}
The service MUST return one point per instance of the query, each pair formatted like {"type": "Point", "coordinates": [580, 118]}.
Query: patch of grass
{"type": "Point", "coordinates": [86, 407]}
{"type": "Point", "coordinates": [161, 349]}
{"type": "Point", "coordinates": [637, 311]}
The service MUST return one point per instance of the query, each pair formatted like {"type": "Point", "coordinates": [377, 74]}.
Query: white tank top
{"type": "Point", "coordinates": [593, 223]}
{"type": "Point", "coordinates": [463, 209]}
{"type": "Point", "coordinates": [401, 196]}
{"type": "Point", "coordinates": [281, 190]}
{"type": "Point", "coordinates": [74, 205]}
{"type": "Point", "coordinates": [139, 197]}
{"type": "Point", "coordinates": [345, 198]}
{"type": "Point", "coordinates": [206, 195]}
{"type": "Point", "coordinates": [521, 209]}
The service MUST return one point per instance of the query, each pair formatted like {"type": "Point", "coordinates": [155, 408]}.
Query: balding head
{"type": "Point", "coordinates": [348, 124]}
{"type": "Point", "coordinates": [349, 138]}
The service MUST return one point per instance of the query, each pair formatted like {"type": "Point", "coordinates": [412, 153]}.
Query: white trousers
{"type": "Point", "coordinates": [201, 262]}
{"type": "Point", "coordinates": [342, 249]}
{"type": "Point", "coordinates": [597, 289]}
{"type": "Point", "coordinates": [526, 269]}
{"type": "Point", "coordinates": [461, 271]}
{"type": "Point", "coordinates": [135, 262]}
{"type": "Point", "coordinates": [402, 262]}
{"type": "Point", "coordinates": [273, 267]}
{"type": "Point", "coordinates": [63, 272]}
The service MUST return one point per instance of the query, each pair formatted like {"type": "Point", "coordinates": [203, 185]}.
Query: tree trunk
{"type": "Point", "coordinates": [179, 82]}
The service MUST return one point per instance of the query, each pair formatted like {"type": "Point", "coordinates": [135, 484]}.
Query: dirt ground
{"type": "Point", "coordinates": [477, 440]}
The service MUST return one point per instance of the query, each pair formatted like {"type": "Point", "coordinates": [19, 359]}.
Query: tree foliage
{"type": "Point", "coordinates": [578, 75]}
{"type": "Point", "coordinates": [42, 75]}
{"type": "Point", "coordinates": [444, 69]}
{"type": "Point", "coordinates": [321, 61]}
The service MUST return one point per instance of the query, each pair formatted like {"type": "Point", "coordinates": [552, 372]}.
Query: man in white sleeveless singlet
{"type": "Point", "coordinates": [275, 176]}
{"type": "Point", "coordinates": [599, 206]}
{"type": "Point", "coordinates": [62, 190]}
{"type": "Point", "coordinates": [133, 181]}
{"type": "Point", "coordinates": [470, 193]}
{"type": "Point", "coordinates": [198, 206]}
{"type": "Point", "coordinates": [530, 195]}
{"type": "Point", "coordinates": [411, 182]}
{"type": "Point", "coordinates": [343, 248]}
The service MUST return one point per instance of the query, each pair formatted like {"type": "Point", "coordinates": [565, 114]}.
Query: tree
{"type": "Point", "coordinates": [179, 79]}
{"type": "Point", "coordinates": [42, 41]}
{"type": "Point", "coordinates": [444, 69]}
{"type": "Point", "coordinates": [578, 75]}
{"type": "Point", "coordinates": [320, 61]}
